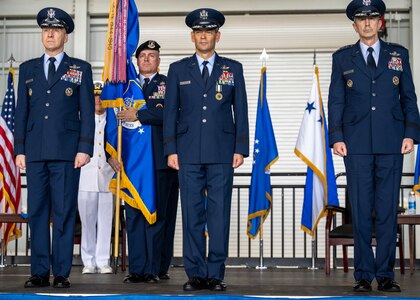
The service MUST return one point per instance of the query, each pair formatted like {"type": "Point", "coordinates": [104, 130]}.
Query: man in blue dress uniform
{"type": "Point", "coordinates": [374, 120]}
{"type": "Point", "coordinates": [206, 136]}
{"type": "Point", "coordinates": [150, 246]}
{"type": "Point", "coordinates": [54, 131]}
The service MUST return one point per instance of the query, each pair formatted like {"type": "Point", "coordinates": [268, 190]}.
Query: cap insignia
{"type": "Point", "coordinates": [51, 13]}
{"type": "Point", "coordinates": [151, 44]}
{"type": "Point", "coordinates": [204, 14]}
{"type": "Point", "coordinates": [367, 2]}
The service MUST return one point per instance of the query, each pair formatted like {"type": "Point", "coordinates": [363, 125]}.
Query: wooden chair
{"type": "Point", "coordinates": [343, 235]}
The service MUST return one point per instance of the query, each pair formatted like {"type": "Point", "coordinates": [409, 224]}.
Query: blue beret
{"type": "Point", "coordinates": [205, 18]}
{"type": "Point", "coordinates": [147, 45]}
{"type": "Point", "coordinates": [365, 8]}
{"type": "Point", "coordinates": [55, 17]}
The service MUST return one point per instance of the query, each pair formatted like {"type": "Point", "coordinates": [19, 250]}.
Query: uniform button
{"type": "Point", "coordinates": [100, 132]}
{"type": "Point", "coordinates": [100, 155]}
{"type": "Point", "coordinates": [99, 167]}
{"type": "Point", "coordinates": [204, 107]}
{"type": "Point", "coordinates": [204, 120]}
{"type": "Point", "coordinates": [49, 92]}
{"type": "Point", "coordinates": [46, 117]}
{"type": "Point", "coordinates": [47, 104]}
{"type": "Point", "coordinates": [374, 94]}
{"type": "Point", "coordinates": [373, 108]}
{"type": "Point", "coordinates": [100, 143]}
{"type": "Point", "coordinates": [373, 81]}
{"type": "Point", "coordinates": [205, 95]}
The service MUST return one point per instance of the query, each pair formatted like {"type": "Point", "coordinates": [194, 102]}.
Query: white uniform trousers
{"type": "Point", "coordinates": [96, 212]}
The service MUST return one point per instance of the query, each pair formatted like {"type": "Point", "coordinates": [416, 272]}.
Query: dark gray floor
{"type": "Point", "coordinates": [241, 281]}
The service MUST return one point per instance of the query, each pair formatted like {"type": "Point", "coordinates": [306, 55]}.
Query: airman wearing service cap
{"type": "Point", "coordinates": [373, 120]}
{"type": "Point", "coordinates": [54, 135]}
{"type": "Point", "coordinates": [205, 143]}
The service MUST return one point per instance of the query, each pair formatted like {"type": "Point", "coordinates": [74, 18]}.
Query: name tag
{"type": "Point", "coordinates": [185, 82]}
{"type": "Point", "coordinates": [348, 72]}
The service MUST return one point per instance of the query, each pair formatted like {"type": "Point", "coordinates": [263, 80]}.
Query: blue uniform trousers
{"type": "Point", "coordinates": [150, 246]}
{"type": "Point", "coordinates": [199, 211]}
{"type": "Point", "coordinates": [52, 191]}
{"type": "Point", "coordinates": [373, 184]}
{"type": "Point", "coordinates": [163, 230]}
{"type": "Point", "coordinates": [138, 237]}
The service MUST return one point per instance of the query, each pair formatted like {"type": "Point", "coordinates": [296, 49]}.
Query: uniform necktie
{"type": "Point", "coordinates": [205, 73]}
{"type": "Point", "coordinates": [371, 62]}
{"type": "Point", "coordinates": [51, 69]}
{"type": "Point", "coordinates": [146, 83]}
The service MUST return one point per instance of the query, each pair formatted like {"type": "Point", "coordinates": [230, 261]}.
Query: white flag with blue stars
{"type": "Point", "coordinates": [312, 148]}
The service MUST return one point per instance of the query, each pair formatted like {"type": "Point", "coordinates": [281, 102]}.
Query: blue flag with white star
{"type": "Point", "coordinates": [312, 148]}
{"type": "Point", "coordinates": [264, 156]}
{"type": "Point", "coordinates": [137, 186]}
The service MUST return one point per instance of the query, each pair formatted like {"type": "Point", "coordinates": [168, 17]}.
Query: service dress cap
{"type": "Point", "coordinates": [365, 8]}
{"type": "Point", "coordinates": [147, 45]}
{"type": "Point", "coordinates": [97, 87]}
{"type": "Point", "coordinates": [205, 19]}
{"type": "Point", "coordinates": [55, 17]}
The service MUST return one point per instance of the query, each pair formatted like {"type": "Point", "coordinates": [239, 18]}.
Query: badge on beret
{"type": "Point", "coordinates": [219, 96]}
{"type": "Point", "coordinates": [69, 92]}
{"type": "Point", "coordinates": [30, 92]}
{"type": "Point", "coordinates": [151, 44]}
{"type": "Point", "coordinates": [395, 63]}
{"type": "Point", "coordinates": [395, 80]}
{"type": "Point", "coordinates": [349, 83]}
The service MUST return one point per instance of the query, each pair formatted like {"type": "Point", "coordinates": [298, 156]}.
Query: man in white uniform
{"type": "Point", "coordinates": [95, 200]}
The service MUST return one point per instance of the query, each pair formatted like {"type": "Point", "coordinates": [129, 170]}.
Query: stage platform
{"type": "Point", "coordinates": [273, 282]}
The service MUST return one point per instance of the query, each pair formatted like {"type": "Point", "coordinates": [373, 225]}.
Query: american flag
{"type": "Point", "coordinates": [9, 174]}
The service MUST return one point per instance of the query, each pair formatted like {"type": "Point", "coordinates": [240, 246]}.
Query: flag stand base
{"type": "Point", "coordinates": [313, 267]}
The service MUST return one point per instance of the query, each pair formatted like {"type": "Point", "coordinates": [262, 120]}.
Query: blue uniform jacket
{"type": "Point", "coordinates": [54, 122]}
{"type": "Point", "coordinates": [153, 115]}
{"type": "Point", "coordinates": [372, 115]}
{"type": "Point", "coordinates": [206, 124]}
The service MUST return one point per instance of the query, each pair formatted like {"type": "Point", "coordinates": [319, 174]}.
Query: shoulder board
{"type": "Point", "coordinates": [229, 59]}
{"type": "Point", "coordinates": [395, 45]}
{"type": "Point", "coordinates": [30, 60]}
{"type": "Point", "coordinates": [343, 48]}
{"type": "Point", "coordinates": [78, 61]}
{"type": "Point", "coordinates": [161, 77]}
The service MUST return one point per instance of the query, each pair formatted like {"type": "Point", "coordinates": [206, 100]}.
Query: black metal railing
{"type": "Point", "coordinates": [284, 242]}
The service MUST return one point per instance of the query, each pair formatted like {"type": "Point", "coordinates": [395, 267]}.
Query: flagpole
{"type": "Point", "coordinates": [313, 240]}
{"type": "Point", "coordinates": [263, 58]}
{"type": "Point", "coordinates": [118, 198]}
